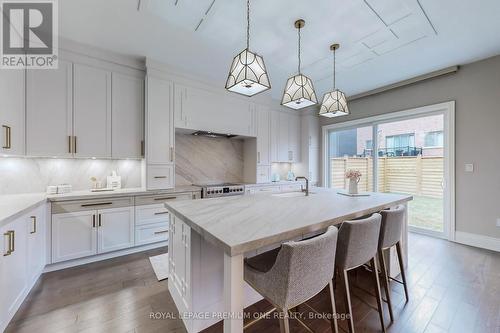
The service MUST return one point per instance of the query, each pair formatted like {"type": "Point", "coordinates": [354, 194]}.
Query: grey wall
{"type": "Point", "coordinates": [476, 90]}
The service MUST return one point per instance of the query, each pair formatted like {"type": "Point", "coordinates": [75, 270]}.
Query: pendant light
{"type": "Point", "coordinates": [299, 90]}
{"type": "Point", "coordinates": [334, 102]}
{"type": "Point", "coordinates": [248, 75]}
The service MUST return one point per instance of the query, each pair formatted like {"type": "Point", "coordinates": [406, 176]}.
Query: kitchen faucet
{"type": "Point", "coordinates": [307, 184]}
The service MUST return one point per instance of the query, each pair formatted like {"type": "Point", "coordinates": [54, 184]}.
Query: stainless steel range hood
{"type": "Point", "coordinates": [213, 134]}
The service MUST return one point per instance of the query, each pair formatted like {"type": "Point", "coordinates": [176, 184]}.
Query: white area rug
{"type": "Point", "coordinates": [160, 266]}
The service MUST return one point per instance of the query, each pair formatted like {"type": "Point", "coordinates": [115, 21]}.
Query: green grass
{"type": "Point", "coordinates": [426, 212]}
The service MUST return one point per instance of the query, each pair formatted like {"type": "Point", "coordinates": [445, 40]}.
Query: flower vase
{"type": "Point", "coordinates": [353, 186]}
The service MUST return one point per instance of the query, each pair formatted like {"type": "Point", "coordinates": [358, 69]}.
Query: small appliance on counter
{"type": "Point", "coordinates": [221, 190]}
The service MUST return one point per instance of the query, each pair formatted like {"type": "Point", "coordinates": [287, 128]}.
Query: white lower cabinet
{"type": "Point", "coordinates": [89, 232]}
{"type": "Point", "coordinates": [21, 261]}
{"type": "Point", "coordinates": [151, 233]}
{"type": "Point", "coordinates": [180, 262]}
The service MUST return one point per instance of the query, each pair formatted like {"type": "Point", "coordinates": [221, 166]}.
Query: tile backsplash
{"type": "Point", "coordinates": [25, 175]}
{"type": "Point", "coordinates": [200, 160]}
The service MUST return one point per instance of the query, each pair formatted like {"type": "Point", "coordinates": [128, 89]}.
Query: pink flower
{"type": "Point", "coordinates": [353, 174]}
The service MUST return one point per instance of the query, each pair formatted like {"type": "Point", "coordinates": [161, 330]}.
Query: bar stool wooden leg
{"type": "Point", "coordinates": [385, 282]}
{"type": "Point", "coordinates": [333, 321]}
{"type": "Point", "coordinates": [348, 306]}
{"type": "Point", "coordinates": [378, 294]}
{"type": "Point", "coordinates": [402, 268]}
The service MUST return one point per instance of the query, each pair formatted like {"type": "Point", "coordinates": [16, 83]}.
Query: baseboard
{"type": "Point", "coordinates": [99, 257]}
{"type": "Point", "coordinates": [481, 241]}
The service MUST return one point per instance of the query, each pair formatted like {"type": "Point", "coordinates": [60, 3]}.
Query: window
{"type": "Point", "coordinates": [369, 144]}
{"type": "Point", "coordinates": [400, 141]}
{"type": "Point", "coordinates": [434, 139]}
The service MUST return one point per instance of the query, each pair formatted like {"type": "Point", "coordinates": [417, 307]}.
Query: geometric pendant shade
{"type": "Point", "coordinates": [248, 75]}
{"type": "Point", "coordinates": [334, 104]}
{"type": "Point", "coordinates": [299, 92]}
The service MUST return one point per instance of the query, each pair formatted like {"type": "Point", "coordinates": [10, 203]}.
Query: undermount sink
{"type": "Point", "coordinates": [291, 194]}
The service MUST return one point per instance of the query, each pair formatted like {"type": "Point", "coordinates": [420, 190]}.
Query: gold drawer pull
{"type": "Point", "coordinates": [33, 219]}
{"type": "Point", "coordinates": [97, 204]}
{"type": "Point", "coordinates": [161, 232]}
{"type": "Point", "coordinates": [7, 137]}
{"type": "Point", "coordinates": [160, 177]}
{"type": "Point", "coordinates": [10, 234]}
{"type": "Point", "coordinates": [161, 213]}
{"type": "Point", "coordinates": [165, 198]}
{"type": "Point", "coordinates": [69, 144]}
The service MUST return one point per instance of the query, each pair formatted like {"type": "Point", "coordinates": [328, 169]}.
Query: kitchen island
{"type": "Point", "coordinates": [209, 239]}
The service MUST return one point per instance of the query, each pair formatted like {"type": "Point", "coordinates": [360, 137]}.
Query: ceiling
{"type": "Point", "coordinates": [382, 41]}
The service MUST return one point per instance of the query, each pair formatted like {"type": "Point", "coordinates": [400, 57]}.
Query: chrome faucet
{"type": "Point", "coordinates": [307, 184]}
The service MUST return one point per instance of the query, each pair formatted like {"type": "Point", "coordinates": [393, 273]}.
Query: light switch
{"type": "Point", "coordinates": [469, 167]}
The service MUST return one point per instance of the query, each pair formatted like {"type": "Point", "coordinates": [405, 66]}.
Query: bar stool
{"type": "Point", "coordinates": [357, 245]}
{"type": "Point", "coordinates": [295, 273]}
{"type": "Point", "coordinates": [390, 235]}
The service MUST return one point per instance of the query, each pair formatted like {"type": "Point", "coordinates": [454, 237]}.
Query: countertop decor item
{"type": "Point", "coordinates": [248, 74]}
{"type": "Point", "coordinates": [114, 181]}
{"type": "Point", "coordinates": [334, 102]}
{"type": "Point", "coordinates": [354, 176]}
{"type": "Point", "coordinates": [299, 90]}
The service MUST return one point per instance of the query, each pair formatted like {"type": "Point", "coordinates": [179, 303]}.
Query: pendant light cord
{"type": "Point", "coordinates": [299, 51]}
{"type": "Point", "coordinates": [333, 69]}
{"type": "Point", "coordinates": [248, 24]}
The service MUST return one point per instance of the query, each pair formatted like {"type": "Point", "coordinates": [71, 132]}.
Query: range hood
{"type": "Point", "coordinates": [213, 134]}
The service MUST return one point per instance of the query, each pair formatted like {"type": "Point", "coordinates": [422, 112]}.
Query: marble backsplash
{"type": "Point", "coordinates": [25, 175]}
{"type": "Point", "coordinates": [200, 160]}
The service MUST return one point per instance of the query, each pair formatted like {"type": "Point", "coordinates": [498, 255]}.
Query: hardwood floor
{"type": "Point", "coordinates": [453, 288]}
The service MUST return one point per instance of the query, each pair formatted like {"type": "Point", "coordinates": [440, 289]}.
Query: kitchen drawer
{"type": "Point", "coordinates": [85, 205]}
{"type": "Point", "coordinates": [151, 214]}
{"type": "Point", "coordinates": [291, 187]}
{"type": "Point", "coordinates": [151, 233]}
{"type": "Point", "coordinates": [264, 189]}
{"type": "Point", "coordinates": [161, 198]}
{"type": "Point", "coordinates": [160, 177]}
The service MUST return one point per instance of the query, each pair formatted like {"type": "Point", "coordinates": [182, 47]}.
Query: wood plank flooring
{"type": "Point", "coordinates": [453, 288]}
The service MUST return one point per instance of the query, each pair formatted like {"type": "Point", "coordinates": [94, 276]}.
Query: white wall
{"type": "Point", "coordinates": [476, 90]}
{"type": "Point", "coordinates": [25, 175]}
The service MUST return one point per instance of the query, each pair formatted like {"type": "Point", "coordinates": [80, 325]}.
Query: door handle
{"type": "Point", "coordinates": [69, 144]}
{"type": "Point", "coordinates": [74, 144]}
{"type": "Point", "coordinates": [93, 221]}
{"type": "Point", "coordinates": [100, 220]}
{"type": "Point", "coordinates": [7, 137]}
{"type": "Point", "coordinates": [33, 219]}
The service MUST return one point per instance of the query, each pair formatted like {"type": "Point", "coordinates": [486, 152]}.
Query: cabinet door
{"type": "Point", "coordinates": [35, 228]}
{"type": "Point", "coordinates": [159, 122]}
{"type": "Point", "coordinates": [263, 174]}
{"type": "Point", "coordinates": [92, 112]}
{"type": "Point", "coordinates": [13, 274]}
{"type": "Point", "coordinates": [275, 122]}
{"type": "Point", "coordinates": [74, 235]}
{"type": "Point", "coordinates": [127, 116]}
{"type": "Point", "coordinates": [263, 137]}
{"type": "Point", "coordinates": [115, 229]}
{"type": "Point", "coordinates": [12, 111]}
{"type": "Point", "coordinates": [283, 151]}
{"type": "Point", "coordinates": [49, 111]}
{"type": "Point", "coordinates": [293, 138]}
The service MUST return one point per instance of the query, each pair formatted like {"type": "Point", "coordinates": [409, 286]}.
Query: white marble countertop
{"type": "Point", "coordinates": [281, 182]}
{"type": "Point", "coordinates": [14, 205]}
{"type": "Point", "coordinates": [245, 223]}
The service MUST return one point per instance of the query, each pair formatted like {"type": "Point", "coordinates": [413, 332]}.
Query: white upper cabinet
{"type": "Point", "coordinates": [91, 112]}
{"type": "Point", "coordinates": [283, 151]}
{"type": "Point", "coordinates": [201, 109]}
{"type": "Point", "coordinates": [127, 116]}
{"type": "Point", "coordinates": [285, 137]}
{"type": "Point", "coordinates": [263, 136]}
{"type": "Point", "coordinates": [12, 111]}
{"type": "Point", "coordinates": [49, 111]}
{"type": "Point", "coordinates": [293, 138]}
{"type": "Point", "coordinates": [159, 121]}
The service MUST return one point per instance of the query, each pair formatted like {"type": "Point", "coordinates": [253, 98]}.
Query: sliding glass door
{"type": "Point", "coordinates": [405, 154]}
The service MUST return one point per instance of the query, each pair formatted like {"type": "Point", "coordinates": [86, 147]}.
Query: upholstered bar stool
{"type": "Point", "coordinates": [390, 235]}
{"type": "Point", "coordinates": [295, 273]}
{"type": "Point", "coordinates": [357, 245]}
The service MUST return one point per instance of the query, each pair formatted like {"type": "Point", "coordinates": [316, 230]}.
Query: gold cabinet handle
{"type": "Point", "coordinates": [69, 144]}
{"type": "Point", "coordinates": [9, 250]}
{"type": "Point", "coordinates": [160, 177]}
{"type": "Point", "coordinates": [161, 232]}
{"type": "Point", "coordinates": [258, 157]}
{"type": "Point", "coordinates": [100, 220]}
{"type": "Point", "coordinates": [161, 213]}
{"type": "Point", "coordinates": [165, 198]}
{"type": "Point", "coordinates": [7, 137]}
{"type": "Point", "coordinates": [33, 220]}
{"type": "Point", "coordinates": [142, 148]}
{"type": "Point", "coordinates": [93, 221]}
{"type": "Point", "coordinates": [97, 204]}
{"type": "Point", "coordinates": [74, 144]}
{"type": "Point", "coordinates": [171, 154]}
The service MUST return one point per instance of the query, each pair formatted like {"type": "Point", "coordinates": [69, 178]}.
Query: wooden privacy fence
{"type": "Point", "coordinates": [407, 174]}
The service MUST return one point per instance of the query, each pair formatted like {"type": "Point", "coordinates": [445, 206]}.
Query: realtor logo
{"type": "Point", "coordinates": [29, 34]}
